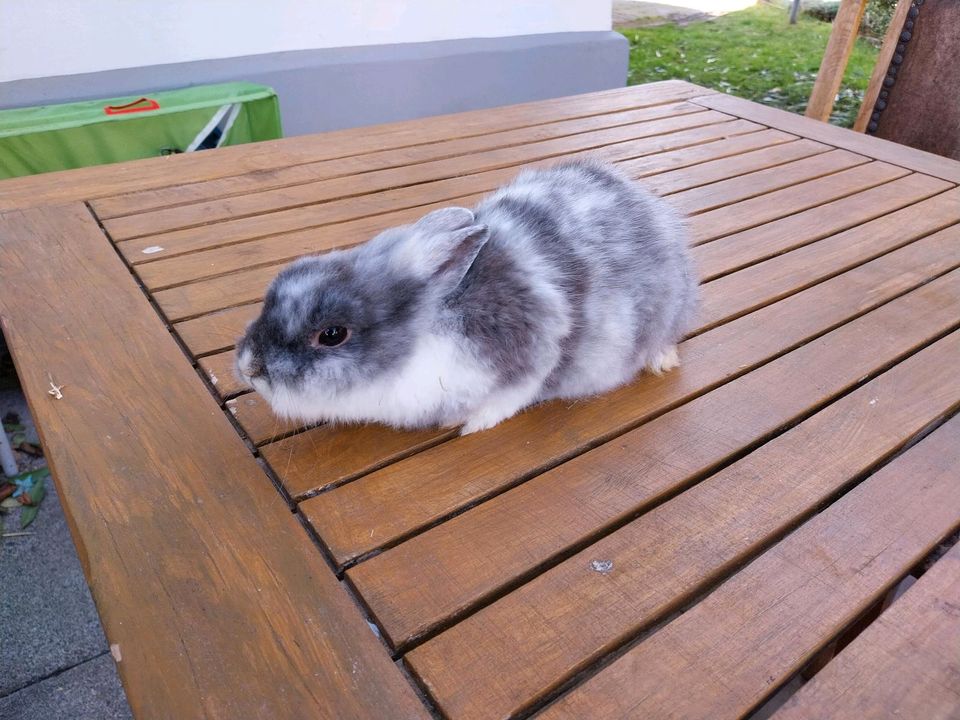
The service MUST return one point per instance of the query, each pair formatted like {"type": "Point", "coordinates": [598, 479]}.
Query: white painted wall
{"type": "Point", "coordinates": [42, 38]}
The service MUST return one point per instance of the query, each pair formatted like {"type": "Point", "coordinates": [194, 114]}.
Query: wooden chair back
{"type": "Point", "coordinates": [912, 95]}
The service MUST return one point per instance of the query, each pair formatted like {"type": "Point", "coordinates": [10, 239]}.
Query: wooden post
{"type": "Point", "coordinates": [794, 9]}
{"type": "Point", "coordinates": [839, 47]}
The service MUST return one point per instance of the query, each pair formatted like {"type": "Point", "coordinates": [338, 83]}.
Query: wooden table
{"type": "Point", "coordinates": [680, 547]}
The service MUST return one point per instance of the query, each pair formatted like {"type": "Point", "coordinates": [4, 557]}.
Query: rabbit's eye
{"type": "Point", "coordinates": [331, 336]}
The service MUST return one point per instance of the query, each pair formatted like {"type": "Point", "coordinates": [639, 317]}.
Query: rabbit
{"type": "Point", "coordinates": [564, 283]}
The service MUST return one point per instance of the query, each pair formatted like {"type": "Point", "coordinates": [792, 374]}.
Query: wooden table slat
{"type": "Point", "coordinates": [202, 213]}
{"type": "Point", "coordinates": [723, 657]}
{"type": "Point", "coordinates": [259, 181]}
{"type": "Point", "coordinates": [735, 189]}
{"type": "Point", "coordinates": [162, 497]}
{"type": "Point", "coordinates": [161, 272]}
{"type": "Point", "coordinates": [644, 156]}
{"type": "Point", "coordinates": [756, 211]}
{"type": "Point", "coordinates": [903, 665]}
{"type": "Point", "coordinates": [734, 252]}
{"type": "Point", "coordinates": [755, 286]}
{"type": "Point", "coordinates": [246, 286]}
{"type": "Point", "coordinates": [877, 148]}
{"type": "Point", "coordinates": [465, 561]}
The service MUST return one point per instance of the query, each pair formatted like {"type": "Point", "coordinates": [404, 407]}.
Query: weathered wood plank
{"type": "Point", "coordinates": [725, 656]}
{"type": "Point", "coordinates": [903, 665]}
{"type": "Point", "coordinates": [843, 35]}
{"type": "Point", "coordinates": [760, 182]}
{"type": "Point", "coordinates": [689, 147]}
{"type": "Point", "coordinates": [754, 286]}
{"type": "Point", "coordinates": [734, 252]}
{"type": "Point", "coordinates": [257, 420]}
{"type": "Point", "coordinates": [216, 331]}
{"type": "Point", "coordinates": [328, 456]}
{"type": "Point", "coordinates": [379, 510]}
{"type": "Point", "coordinates": [721, 141]}
{"type": "Point", "coordinates": [246, 286]}
{"type": "Point", "coordinates": [436, 576]}
{"type": "Point", "coordinates": [209, 618]}
{"type": "Point", "coordinates": [941, 167]}
{"type": "Point", "coordinates": [730, 165]}
{"type": "Point", "coordinates": [303, 173]}
{"type": "Point", "coordinates": [418, 200]}
{"type": "Point", "coordinates": [780, 203]}
{"type": "Point", "coordinates": [202, 213]}
{"type": "Point", "coordinates": [101, 181]}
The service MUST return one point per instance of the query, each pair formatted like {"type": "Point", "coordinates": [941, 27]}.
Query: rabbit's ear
{"type": "Point", "coordinates": [443, 246]}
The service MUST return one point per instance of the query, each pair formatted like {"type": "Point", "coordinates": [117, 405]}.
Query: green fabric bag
{"type": "Point", "coordinates": [61, 137]}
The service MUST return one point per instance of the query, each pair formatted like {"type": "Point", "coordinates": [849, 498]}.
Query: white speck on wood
{"type": "Point", "coordinates": [602, 566]}
{"type": "Point", "coordinates": [115, 651]}
{"type": "Point", "coordinates": [232, 406]}
{"type": "Point", "coordinates": [873, 402]}
{"type": "Point", "coordinates": [374, 628]}
{"type": "Point", "coordinates": [213, 378]}
{"type": "Point", "coordinates": [151, 250]}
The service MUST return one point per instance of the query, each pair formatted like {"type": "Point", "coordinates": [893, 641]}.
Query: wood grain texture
{"type": "Point", "coordinates": [257, 420]}
{"type": "Point", "coordinates": [887, 50]}
{"type": "Point", "coordinates": [737, 251]}
{"type": "Point", "coordinates": [925, 162]}
{"type": "Point", "coordinates": [155, 481]}
{"type": "Point", "coordinates": [732, 164]}
{"type": "Point", "coordinates": [378, 509]}
{"type": "Point", "coordinates": [102, 181]}
{"type": "Point", "coordinates": [726, 655]}
{"type": "Point", "coordinates": [843, 35]}
{"type": "Point", "coordinates": [736, 294]}
{"type": "Point", "coordinates": [735, 189]}
{"type": "Point", "coordinates": [246, 286]}
{"type": "Point", "coordinates": [437, 575]}
{"type": "Point", "coordinates": [670, 148]}
{"type": "Point", "coordinates": [351, 221]}
{"type": "Point", "coordinates": [903, 665]}
{"type": "Point", "coordinates": [182, 216]}
{"type": "Point", "coordinates": [394, 157]}
{"type": "Point", "coordinates": [216, 331]}
{"type": "Point", "coordinates": [520, 648]}
{"type": "Point", "coordinates": [328, 456]}
{"type": "Point", "coordinates": [781, 203]}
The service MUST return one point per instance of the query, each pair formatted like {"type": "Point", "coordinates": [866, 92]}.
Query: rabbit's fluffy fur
{"type": "Point", "coordinates": [563, 284]}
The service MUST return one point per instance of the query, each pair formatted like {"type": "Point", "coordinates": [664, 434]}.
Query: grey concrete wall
{"type": "Point", "coordinates": [337, 88]}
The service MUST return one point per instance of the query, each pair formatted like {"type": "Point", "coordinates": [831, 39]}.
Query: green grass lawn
{"type": "Point", "coordinates": [754, 54]}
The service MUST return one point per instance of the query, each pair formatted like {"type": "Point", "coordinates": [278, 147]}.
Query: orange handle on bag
{"type": "Point", "coordinates": [132, 107]}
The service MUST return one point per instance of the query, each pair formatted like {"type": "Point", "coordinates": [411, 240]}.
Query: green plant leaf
{"type": "Point", "coordinates": [28, 515]}
{"type": "Point", "coordinates": [39, 489]}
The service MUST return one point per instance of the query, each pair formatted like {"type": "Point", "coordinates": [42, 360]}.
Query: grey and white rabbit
{"type": "Point", "coordinates": [563, 284]}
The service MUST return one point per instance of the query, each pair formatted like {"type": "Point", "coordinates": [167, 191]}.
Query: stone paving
{"type": "Point", "coordinates": [55, 660]}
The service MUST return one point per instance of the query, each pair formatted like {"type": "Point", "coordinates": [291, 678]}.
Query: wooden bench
{"type": "Point", "coordinates": [680, 547]}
